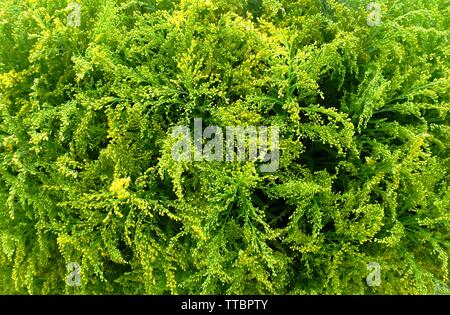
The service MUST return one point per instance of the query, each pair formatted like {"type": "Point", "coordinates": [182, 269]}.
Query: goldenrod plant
{"type": "Point", "coordinates": [93, 202]}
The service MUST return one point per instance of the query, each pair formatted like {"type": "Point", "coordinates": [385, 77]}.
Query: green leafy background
{"type": "Point", "coordinates": [86, 173]}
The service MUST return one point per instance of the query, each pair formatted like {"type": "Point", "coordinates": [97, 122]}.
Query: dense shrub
{"type": "Point", "coordinates": [86, 173]}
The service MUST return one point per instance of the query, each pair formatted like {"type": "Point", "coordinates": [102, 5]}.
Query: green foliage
{"type": "Point", "coordinates": [86, 173]}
